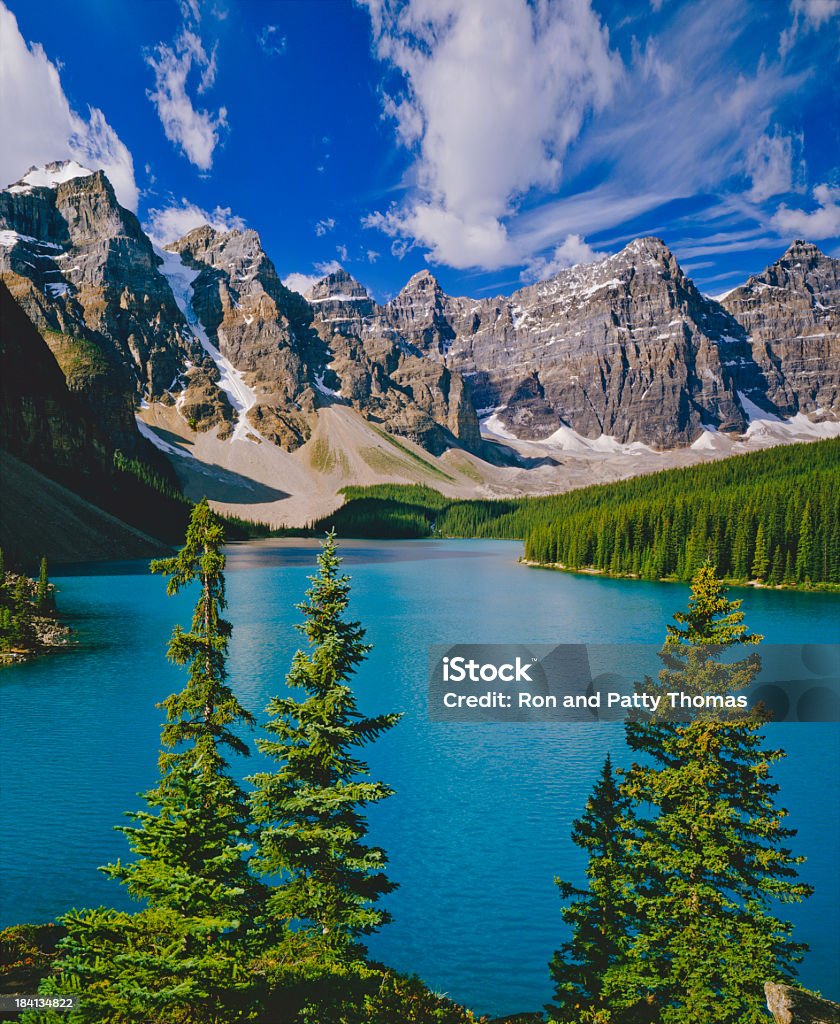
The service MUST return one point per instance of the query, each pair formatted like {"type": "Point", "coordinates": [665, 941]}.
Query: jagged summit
{"type": "Point", "coordinates": [800, 249]}
{"type": "Point", "coordinates": [423, 280]}
{"type": "Point", "coordinates": [50, 175]}
{"type": "Point", "coordinates": [338, 286]}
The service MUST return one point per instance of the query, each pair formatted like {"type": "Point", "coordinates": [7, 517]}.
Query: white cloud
{"type": "Point", "coordinates": [328, 267]}
{"type": "Point", "coordinates": [769, 164]}
{"type": "Point", "coordinates": [173, 222]}
{"type": "Point", "coordinates": [807, 16]}
{"type": "Point", "coordinates": [573, 251]}
{"type": "Point", "coordinates": [489, 115]}
{"type": "Point", "coordinates": [301, 283]}
{"type": "Point", "coordinates": [38, 125]}
{"type": "Point", "coordinates": [323, 226]}
{"type": "Point", "coordinates": [504, 131]}
{"type": "Point", "coordinates": [342, 252]}
{"type": "Point", "coordinates": [195, 131]}
{"type": "Point", "coordinates": [824, 222]}
{"type": "Point", "coordinates": [372, 255]}
{"type": "Point", "coordinates": [271, 42]}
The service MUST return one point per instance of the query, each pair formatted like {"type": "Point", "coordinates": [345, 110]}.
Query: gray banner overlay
{"type": "Point", "coordinates": [591, 683]}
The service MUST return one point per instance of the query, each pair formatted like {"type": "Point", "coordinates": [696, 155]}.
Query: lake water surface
{"type": "Point", "coordinates": [480, 822]}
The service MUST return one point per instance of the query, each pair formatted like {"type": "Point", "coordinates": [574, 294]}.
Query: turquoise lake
{"type": "Point", "coordinates": [480, 822]}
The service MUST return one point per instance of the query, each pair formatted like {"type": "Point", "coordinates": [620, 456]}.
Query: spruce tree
{"type": "Point", "coordinates": [714, 850]}
{"type": "Point", "coordinates": [309, 812]}
{"type": "Point", "coordinates": [23, 629]}
{"type": "Point", "coordinates": [760, 560]}
{"type": "Point", "coordinates": [184, 955]}
{"type": "Point", "coordinates": [589, 970]}
{"type": "Point", "coordinates": [45, 601]}
{"type": "Point", "coordinates": [804, 547]}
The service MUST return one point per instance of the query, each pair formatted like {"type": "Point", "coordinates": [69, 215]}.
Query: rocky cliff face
{"type": "Point", "coordinates": [81, 264]}
{"type": "Point", "coordinates": [796, 1006]}
{"type": "Point", "coordinates": [791, 313]}
{"type": "Point", "coordinates": [626, 347]}
{"type": "Point", "coordinates": [384, 376]}
{"type": "Point", "coordinates": [42, 420]}
{"type": "Point", "coordinates": [87, 276]}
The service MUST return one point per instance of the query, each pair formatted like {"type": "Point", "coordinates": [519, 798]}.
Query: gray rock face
{"type": "Point", "coordinates": [626, 347]}
{"type": "Point", "coordinates": [82, 265]}
{"type": "Point", "coordinates": [796, 1006]}
{"type": "Point", "coordinates": [791, 313]}
{"type": "Point", "coordinates": [384, 376]}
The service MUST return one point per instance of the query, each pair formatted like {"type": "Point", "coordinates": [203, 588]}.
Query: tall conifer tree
{"type": "Point", "coordinates": [715, 849]}
{"type": "Point", "coordinates": [589, 970]}
{"type": "Point", "coordinates": [183, 957]}
{"type": "Point", "coordinates": [45, 602]}
{"type": "Point", "coordinates": [310, 811]}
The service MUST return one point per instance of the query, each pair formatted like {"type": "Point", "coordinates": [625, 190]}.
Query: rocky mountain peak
{"type": "Point", "coordinates": [801, 252]}
{"type": "Point", "coordinates": [423, 281]}
{"type": "Point", "coordinates": [338, 287]}
{"type": "Point", "coordinates": [791, 314]}
{"type": "Point", "coordinates": [49, 176]}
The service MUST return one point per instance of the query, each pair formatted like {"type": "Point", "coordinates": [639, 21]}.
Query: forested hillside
{"type": "Point", "coordinates": [771, 516]}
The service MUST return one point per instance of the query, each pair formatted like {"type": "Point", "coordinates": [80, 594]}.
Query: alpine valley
{"type": "Point", "coordinates": [195, 366]}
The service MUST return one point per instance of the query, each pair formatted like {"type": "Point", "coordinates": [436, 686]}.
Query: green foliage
{"type": "Point", "coordinates": [204, 711]}
{"type": "Point", "coordinates": [19, 602]}
{"type": "Point", "coordinates": [45, 598]}
{"type": "Point", "coordinates": [306, 983]}
{"type": "Point", "coordinates": [309, 812]}
{"type": "Point", "coordinates": [185, 954]}
{"type": "Point", "coordinates": [152, 966]}
{"type": "Point", "coordinates": [773, 516]}
{"type": "Point", "coordinates": [708, 854]}
{"type": "Point", "coordinates": [588, 968]}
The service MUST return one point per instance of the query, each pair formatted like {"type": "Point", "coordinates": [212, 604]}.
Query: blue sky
{"type": "Point", "coordinates": [494, 141]}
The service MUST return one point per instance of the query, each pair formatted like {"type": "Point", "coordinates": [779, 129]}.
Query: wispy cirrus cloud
{"type": "Point", "coordinates": [38, 125]}
{"type": "Point", "coordinates": [195, 131]}
{"type": "Point", "coordinates": [806, 16]}
{"type": "Point", "coordinates": [524, 149]}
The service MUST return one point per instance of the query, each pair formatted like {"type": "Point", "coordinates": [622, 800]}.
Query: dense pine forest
{"type": "Point", "coordinates": [772, 517]}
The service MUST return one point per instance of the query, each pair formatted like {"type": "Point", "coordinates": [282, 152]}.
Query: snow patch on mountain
{"type": "Point", "coordinates": [563, 439]}
{"type": "Point", "coordinates": [159, 443]}
{"type": "Point", "coordinates": [49, 176]}
{"type": "Point", "coordinates": [231, 381]}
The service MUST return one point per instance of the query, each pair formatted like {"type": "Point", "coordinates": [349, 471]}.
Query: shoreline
{"type": "Point", "coordinates": [813, 588]}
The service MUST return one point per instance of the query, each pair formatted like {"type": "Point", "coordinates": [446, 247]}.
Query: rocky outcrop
{"type": "Point", "coordinates": [626, 347]}
{"type": "Point", "coordinates": [796, 1006]}
{"type": "Point", "coordinates": [791, 313]}
{"type": "Point", "coordinates": [80, 264]}
{"type": "Point", "coordinates": [254, 321]}
{"type": "Point", "coordinates": [387, 378]}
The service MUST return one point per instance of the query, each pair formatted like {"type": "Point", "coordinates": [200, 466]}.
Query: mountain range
{"type": "Point", "coordinates": [197, 361]}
